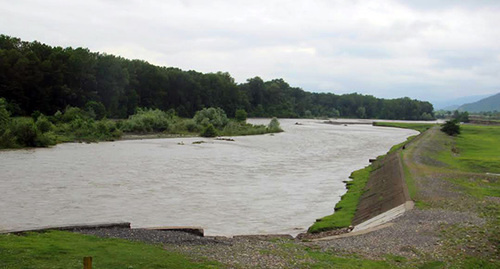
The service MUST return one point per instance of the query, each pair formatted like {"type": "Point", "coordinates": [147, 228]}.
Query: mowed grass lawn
{"type": "Point", "coordinates": [56, 249]}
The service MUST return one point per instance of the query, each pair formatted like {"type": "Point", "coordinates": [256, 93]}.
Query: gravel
{"type": "Point", "coordinates": [153, 236]}
{"type": "Point", "coordinates": [414, 233]}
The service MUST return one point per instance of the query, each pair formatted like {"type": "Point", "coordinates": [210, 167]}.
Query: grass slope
{"type": "Point", "coordinates": [57, 249]}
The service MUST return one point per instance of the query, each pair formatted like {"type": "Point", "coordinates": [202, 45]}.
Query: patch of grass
{"type": "Point", "coordinates": [421, 127]}
{"type": "Point", "coordinates": [476, 149]}
{"type": "Point", "coordinates": [346, 207]}
{"type": "Point", "coordinates": [478, 187]}
{"type": "Point", "coordinates": [329, 260]}
{"type": "Point", "coordinates": [432, 265]}
{"type": "Point", "coordinates": [56, 249]}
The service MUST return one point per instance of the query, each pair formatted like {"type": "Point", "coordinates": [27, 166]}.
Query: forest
{"type": "Point", "coordinates": [36, 77]}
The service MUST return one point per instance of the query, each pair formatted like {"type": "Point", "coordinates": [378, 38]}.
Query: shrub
{"type": "Point", "coordinates": [7, 139]}
{"type": "Point", "coordinates": [96, 110]}
{"type": "Point", "coordinates": [451, 127]}
{"type": "Point", "coordinates": [209, 131]}
{"type": "Point", "coordinates": [45, 139]}
{"type": "Point", "coordinates": [72, 113]}
{"type": "Point", "coordinates": [35, 115]}
{"type": "Point", "coordinates": [43, 125]}
{"type": "Point", "coordinates": [215, 116]}
{"type": "Point", "coordinates": [274, 126]}
{"type": "Point", "coordinates": [240, 115]}
{"type": "Point", "coordinates": [24, 130]}
{"type": "Point", "coordinates": [191, 126]}
{"type": "Point", "coordinates": [148, 120]}
{"type": "Point", "coordinates": [4, 115]}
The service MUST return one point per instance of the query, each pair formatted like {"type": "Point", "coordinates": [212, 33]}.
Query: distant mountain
{"type": "Point", "coordinates": [451, 108]}
{"type": "Point", "coordinates": [491, 103]}
{"type": "Point", "coordinates": [454, 104]}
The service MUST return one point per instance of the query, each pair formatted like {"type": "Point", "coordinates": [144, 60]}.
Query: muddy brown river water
{"type": "Point", "coordinates": [257, 184]}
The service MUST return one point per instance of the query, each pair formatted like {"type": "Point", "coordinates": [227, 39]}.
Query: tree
{"type": "Point", "coordinates": [451, 128]}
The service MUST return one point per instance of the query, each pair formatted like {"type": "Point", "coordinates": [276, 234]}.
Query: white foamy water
{"type": "Point", "coordinates": [257, 184]}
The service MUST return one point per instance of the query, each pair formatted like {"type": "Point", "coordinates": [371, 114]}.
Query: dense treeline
{"type": "Point", "coordinates": [38, 77]}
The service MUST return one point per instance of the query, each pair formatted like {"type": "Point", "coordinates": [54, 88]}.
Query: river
{"type": "Point", "coordinates": [255, 185]}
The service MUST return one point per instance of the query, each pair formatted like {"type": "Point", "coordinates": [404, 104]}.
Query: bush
{"type": "Point", "coordinates": [274, 126]}
{"type": "Point", "coordinates": [7, 139]}
{"type": "Point", "coordinates": [191, 126]}
{"type": "Point", "coordinates": [4, 115]}
{"type": "Point", "coordinates": [43, 125]}
{"type": "Point", "coordinates": [148, 120]}
{"type": "Point", "coordinates": [241, 115]}
{"type": "Point", "coordinates": [209, 131]}
{"type": "Point", "coordinates": [451, 127]}
{"type": "Point", "coordinates": [35, 115]}
{"type": "Point", "coordinates": [215, 116]}
{"type": "Point", "coordinates": [96, 110]}
{"type": "Point", "coordinates": [24, 130]}
{"type": "Point", "coordinates": [72, 113]}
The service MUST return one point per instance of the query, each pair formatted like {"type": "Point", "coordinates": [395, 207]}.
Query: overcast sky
{"type": "Point", "coordinates": [425, 49]}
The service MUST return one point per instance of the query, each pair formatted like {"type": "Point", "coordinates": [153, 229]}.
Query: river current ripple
{"type": "Point", "coordinates": [255, 185]}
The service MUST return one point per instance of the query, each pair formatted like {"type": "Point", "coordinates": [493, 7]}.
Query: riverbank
{"type": "Point", "coordinates": [455, 224]}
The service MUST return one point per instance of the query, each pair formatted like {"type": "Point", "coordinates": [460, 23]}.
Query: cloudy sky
{"type": "Point", "coordinates": [426, 49]}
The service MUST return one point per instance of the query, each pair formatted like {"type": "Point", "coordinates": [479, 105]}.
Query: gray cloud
{"type": "Point", "coordinates": [387, 48]}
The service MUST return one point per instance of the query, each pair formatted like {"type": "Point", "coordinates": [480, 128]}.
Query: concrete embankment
{"type": "Point", "coordinates": [386, 194]}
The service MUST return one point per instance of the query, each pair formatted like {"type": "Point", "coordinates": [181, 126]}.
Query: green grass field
{"type": "Point", "coordinates": [57, 249]}
{"type": "Point", "coordinates": [476, 149]}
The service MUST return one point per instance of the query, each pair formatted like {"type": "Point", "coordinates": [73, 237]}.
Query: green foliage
{"type": "Point", "coordinates": [35, 115]}
{"type": "Point", "coordinates": [274, 126]}
{"type": "Point", "coordinates": [451, 127]}
{"type": "Point", "coordinates": [240, 115]}
{"type": "Point", "coordinates": [461, 116]}
{"type": "Point", "coordinates": [148, 120]}
{"type": "Point", "coordinates": [66, 250]}
{"type": "Point", "coordinates": [34, 71]}
{"type": "Point", "coordinates": [214, 116]}
{"type": "Point", "coordinates": [209, 131]}
{"type": "Point", "coordinates": [346, 207]}
{"type": "Point", "coordinates": [24, 129]}
{"type": "Point", "coordinates": [72, 113]}
{"type": "Point", "coordinates": [43, 124]}
{"type": "Point", "coordinates": [234, 128]}
{"type": "Point", "coordinates": [4, 115]}
{"type": "Point", "coordinates": [95, 109]}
